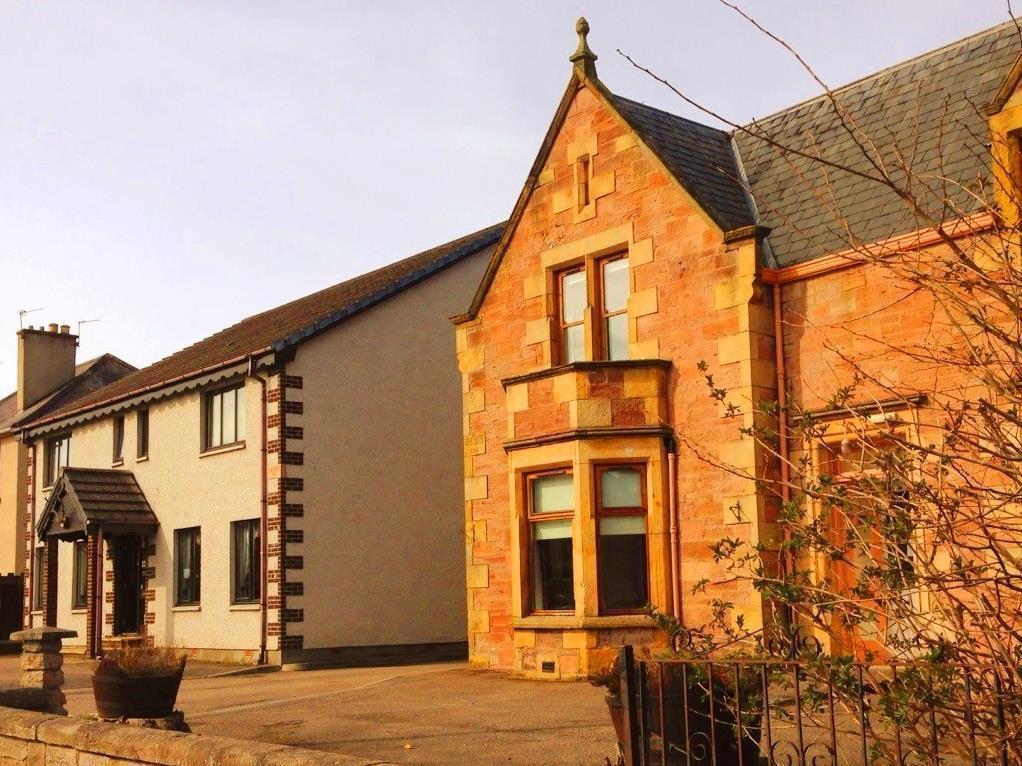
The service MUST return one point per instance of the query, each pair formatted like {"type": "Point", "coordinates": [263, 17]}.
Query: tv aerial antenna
{"type": "Point", "coordinates": [22, 313]}
{"type": "Point", "coordinates": [85, 321]}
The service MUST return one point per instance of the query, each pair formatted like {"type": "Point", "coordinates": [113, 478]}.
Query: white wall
{"type": "Point", "coordinates": [185, 488]}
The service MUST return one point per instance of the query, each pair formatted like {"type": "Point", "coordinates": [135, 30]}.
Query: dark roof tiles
{"type": "Point", "coordinates": [699, 156]}
{"type": "Point", "coordinates": [929, 109]}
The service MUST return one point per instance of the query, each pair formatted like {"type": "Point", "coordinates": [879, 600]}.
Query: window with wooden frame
{"type": "Point", "coordinates": [79, 576]}
{"type": "Point", "coordinates": [245, 561]}
{"type": "Point", "coordinates": [572, 299]}
{"type": "Point", "coordinates": [142, 434]}
{"type": "Point", "coordinates": [614, 290]}
{"type": "Point", "coordinates": [601, 282]}
{"type": "Point", "coordinates": [57, 456]}
{"type": "Point", "coordinates": [118, 451]}
{"type": "Point", "coordinates": [187, 566]}
{"type": "Point", "coordinates": [550, 498]}
{"type": "Point", "coordinates": [621, 552]}
{"type": "Point", "coordinates": [223, 417]}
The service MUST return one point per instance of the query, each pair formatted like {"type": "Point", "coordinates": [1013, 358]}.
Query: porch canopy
{"type": "Point", "coordinates": [86, 499]}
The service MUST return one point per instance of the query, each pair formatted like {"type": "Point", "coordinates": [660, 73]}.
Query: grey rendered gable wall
{"type": "Point", "coordinates": [383, 488]}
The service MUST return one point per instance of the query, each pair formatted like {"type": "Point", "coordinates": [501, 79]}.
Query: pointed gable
{"type": "Point", "coordinates": [698, 159]}
{"type": "Point", "coordinates": [106, 498]}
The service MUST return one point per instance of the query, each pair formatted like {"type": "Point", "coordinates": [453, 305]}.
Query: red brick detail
{"type": "Point", "coordinates": [49, 575]}
{"type": "Point", "coordinates": [285, 568]}
{"type": "Point", "coordinates": [90, 576]}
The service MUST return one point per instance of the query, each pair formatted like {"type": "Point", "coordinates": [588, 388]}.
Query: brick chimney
{"type": "Point", "coordinates": [46, 361]}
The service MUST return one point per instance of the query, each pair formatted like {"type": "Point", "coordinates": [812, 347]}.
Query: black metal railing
{"type": "Point", "coordinates": [792, 706]}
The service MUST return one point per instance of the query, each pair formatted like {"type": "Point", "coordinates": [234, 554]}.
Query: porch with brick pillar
{"type": "Point", "coordinates": [108, 510]}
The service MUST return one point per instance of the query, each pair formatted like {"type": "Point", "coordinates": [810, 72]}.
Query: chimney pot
{"type": "Point", "coordinates": [65, 329]}
{"type": "Point", "coordinates": [51, 327]}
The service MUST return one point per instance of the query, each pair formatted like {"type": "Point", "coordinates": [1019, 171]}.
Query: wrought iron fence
{"type": "Point", "coordinates": [795, 707]}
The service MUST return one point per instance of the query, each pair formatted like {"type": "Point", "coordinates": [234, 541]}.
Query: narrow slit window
{"type": "Point", "coordinates": [582, 170]}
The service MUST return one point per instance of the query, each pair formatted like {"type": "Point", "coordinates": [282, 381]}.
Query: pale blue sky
{"type": "Point", "coordinates": [172, 167]}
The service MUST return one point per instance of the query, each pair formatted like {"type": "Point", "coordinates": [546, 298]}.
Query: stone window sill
{"type": "Point", "coordinates": [83, 610]}
{"type": "Point", "coordinates": [245, 607]}
{"type": "Point", "coordinates": [143, 459]}
{"type": "Point", "coordinates": [571, 622]}
{"type": "Point", "coordinates": [187, 608]}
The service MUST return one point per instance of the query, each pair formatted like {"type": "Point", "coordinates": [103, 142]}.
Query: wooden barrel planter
{"type": "Point", "coordinates": [121, 694]}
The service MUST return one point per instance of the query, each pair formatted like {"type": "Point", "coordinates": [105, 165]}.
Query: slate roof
{"type": "Point", "coordinates": [109, 497]}
{"type": "Point", "coordinates": [286, 325]}
{"type": "Point", "coordinates": [699, 156]}
{"type": "Point", "coordinates": [930, 108]}
{"type": "Point", "coordinates": [89, 376]}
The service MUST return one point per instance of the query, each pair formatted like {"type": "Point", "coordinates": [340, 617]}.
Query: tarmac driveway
{"type": "Point", "coordinates": [422, 714]}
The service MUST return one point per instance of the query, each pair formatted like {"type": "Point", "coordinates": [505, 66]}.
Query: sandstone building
{"type": "Point", "coordinates": [642, 245]}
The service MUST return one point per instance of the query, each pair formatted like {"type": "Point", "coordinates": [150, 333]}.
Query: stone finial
{"type": "Point", "coordinates": [583, 58]}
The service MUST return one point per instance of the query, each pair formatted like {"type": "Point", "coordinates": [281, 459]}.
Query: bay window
{"type": "Point", "coordinates": [551, 510]}
{"type": "Point", "coordinates": [621, 538]}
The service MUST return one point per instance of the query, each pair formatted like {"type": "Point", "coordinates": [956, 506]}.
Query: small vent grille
{"type": "Point", "coordinates": [548, 667]}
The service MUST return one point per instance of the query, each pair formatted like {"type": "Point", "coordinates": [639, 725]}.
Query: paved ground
{"type": "Point", "coordinates": [423, 714]}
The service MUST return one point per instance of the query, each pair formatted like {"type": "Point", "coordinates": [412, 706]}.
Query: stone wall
{"type": "Point", "coordinates": [36, 738]}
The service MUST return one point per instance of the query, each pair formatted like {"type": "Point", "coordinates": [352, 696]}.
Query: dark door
{"type": "Point", "coordinates": [127, 585]}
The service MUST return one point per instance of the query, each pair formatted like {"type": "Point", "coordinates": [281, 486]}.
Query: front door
{"type": "Point", "coordinates": [127, 552]}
